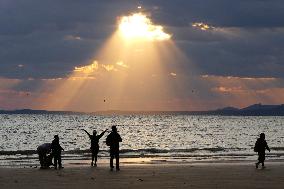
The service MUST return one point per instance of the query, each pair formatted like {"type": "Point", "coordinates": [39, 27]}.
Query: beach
{"type": "Point", "coordinates": [162, 175]}
{"type": "Point", "coordinates": [157, 151]}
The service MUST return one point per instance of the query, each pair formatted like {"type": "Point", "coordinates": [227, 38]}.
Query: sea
{"type": "Point", "coordinates": [146, 138]}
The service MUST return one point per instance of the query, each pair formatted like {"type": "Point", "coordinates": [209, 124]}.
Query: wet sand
{"type": "Point", "coordinates": [209, 175]}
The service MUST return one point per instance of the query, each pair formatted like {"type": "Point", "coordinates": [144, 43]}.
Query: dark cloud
{"type": "Point", "coordinates": [250, 53]}
{"type": "Point", "coordinates": [41, 35]}
{"type": "Point", "coordinates": [225, 13]}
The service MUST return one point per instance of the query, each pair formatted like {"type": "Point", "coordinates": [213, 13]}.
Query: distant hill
{"type": "Point", "coordinates": [252, 110]}
{"type": "Point", "coordinates": [29, 111]}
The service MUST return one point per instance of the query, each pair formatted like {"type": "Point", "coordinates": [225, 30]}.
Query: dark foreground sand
{"type": "Point", "coordinates": [211, 175]}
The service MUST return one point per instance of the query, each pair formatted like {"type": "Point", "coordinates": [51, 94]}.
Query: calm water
{"type": "Point", "coordinates": [190, 138]}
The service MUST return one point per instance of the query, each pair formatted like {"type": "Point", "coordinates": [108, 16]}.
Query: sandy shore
{"type": "Point", "coordinates": [211, 175]}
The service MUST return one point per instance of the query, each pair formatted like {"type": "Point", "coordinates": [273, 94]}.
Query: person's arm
{"type": "Point", "coordinates": [119, 138]}
{"type": "Point", "coordinates": [266, 146]}
{"type": "Point", "coordinates": [87, 133]}
{"type": "Point", "coordinates": [102, 134]}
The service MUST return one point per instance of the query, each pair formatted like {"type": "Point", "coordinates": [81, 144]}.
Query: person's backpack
{"type": "Point", "coordinates": [256, 146]}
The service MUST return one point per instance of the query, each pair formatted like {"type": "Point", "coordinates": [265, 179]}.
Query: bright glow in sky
{"type": "Point", "coordinates": [119, 76]}
{"type": "Point", "coordinates": [202, 26]}
{"type": "Point", "coordinates": [87, 69]}
{"type": "Point", "coordinates": [139, 26]}
{"type": "Point", "coordinates": [139, 67]}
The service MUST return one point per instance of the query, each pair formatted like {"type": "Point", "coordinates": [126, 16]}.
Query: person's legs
{"type": "Point", "coordinates": [96, 151]}
{"type": "Point", "coordinates": [256, 165]}
{"type": "Point", "coordinates": [261, 159]}
{"type": "Point", "coordinates": [111, 151]}
{"type": "Point", "coordinates": [117, 161]}
{"type": "Point", "coordinates": [55, 160]}
{"type": "Point", "coordinates": [262, 162]}
{"type": "Point", "coordinates": [93, 157]}
{"type": "Point", "coordinates": [44, 160]}
{"type": "Point", "coordinates": [96, 158]}
{"type": "Point", "coordinates": [111, 161]}
{"type": "Point", "coordinates": [59, 161]}
{"type": "Point", "coordinates": [48, 161]}
{"type": "Point", "coordinates": [41, 160]}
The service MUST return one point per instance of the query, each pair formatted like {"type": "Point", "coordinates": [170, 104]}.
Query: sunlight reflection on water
{"type": "Point", "coordinates": [144, 135]}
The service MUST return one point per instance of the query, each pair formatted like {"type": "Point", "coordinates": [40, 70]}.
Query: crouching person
{"type": "Point", "coordinates": [56, 152]}
{"type": "Point", "coordinates": [45, 158]}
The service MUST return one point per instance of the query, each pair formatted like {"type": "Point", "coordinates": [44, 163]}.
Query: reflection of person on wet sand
{"type": "Point", "coordinates": [260, 147]}
{"type": "Point", "coordinates": [95, 145]}
{"type": "Point", "coordinates": [45, 158]}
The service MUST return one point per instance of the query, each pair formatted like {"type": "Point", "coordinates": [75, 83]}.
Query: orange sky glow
{"type": "Point", "coordinates": [137, 68]}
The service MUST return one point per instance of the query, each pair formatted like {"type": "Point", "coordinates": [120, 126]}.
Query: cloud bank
{"type": "Point", "coordinates": [46, 40]}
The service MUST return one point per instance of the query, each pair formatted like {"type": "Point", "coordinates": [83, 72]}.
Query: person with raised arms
{"type": "Point", "coordinates": [95, 145]}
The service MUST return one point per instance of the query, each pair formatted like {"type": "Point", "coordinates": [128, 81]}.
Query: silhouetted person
{"type": "Point", "coordinates": [43, 151]}
{"type": "Point", "coordinates": [260, 147]}
{"type": "Point", "coordinates": [48, 160]}
{"type": "Point", "coordinates": [56, 152]}
{"type": "Point", "coordinates": [113, 140]}
{"type": "Point", "coordinates": [95, 145]}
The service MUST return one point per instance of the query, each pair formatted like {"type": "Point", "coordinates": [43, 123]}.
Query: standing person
{"type": "Point", "coordinates": [260, 147]}
{"type": "Point", "coordinates": [113, 140]}
{"type": "Point", "coordinates": [56, 152]}
{"type": "Point", "coordinates": [95, 145]}
{"type": "Point", "coordinates": [42, 151]}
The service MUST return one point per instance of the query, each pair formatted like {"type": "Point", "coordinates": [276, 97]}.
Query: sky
{"type": "Point", "coordinates": [71, 55]}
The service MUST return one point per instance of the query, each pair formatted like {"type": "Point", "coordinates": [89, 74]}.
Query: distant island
{"type": "Point", "coordinates": [253, 110]}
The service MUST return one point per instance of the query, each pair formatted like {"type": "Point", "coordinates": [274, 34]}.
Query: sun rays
{"type": "Point", "coordinates": [139, 67]}
{"type": "Point", "coordinates": [134, 70]}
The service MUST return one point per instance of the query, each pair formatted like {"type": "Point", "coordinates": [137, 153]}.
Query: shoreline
{"type": "Point", "coordinates": [206, 175]}
{"type": "Point", "coordinates": [104, 162]}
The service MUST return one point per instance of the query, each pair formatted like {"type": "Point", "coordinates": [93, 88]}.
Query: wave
{"type": "Point", "coordinates": [159, 151]}
{"type": "Point", "coordinates": [18, 152]}
{"type": "Point", "coordinates": [277, 148]}
{"type": "Point", "coordinates": [189, 150]}
{"type": "Point", "coordinates": [145, 151]}
{"type": "Point", "coordinates": [136, 151]}
{"type": "Point", "coordinates": [139, 151]}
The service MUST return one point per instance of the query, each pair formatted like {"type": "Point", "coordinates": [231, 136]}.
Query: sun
{"type": "Point", "coordinates": [139, 27]}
